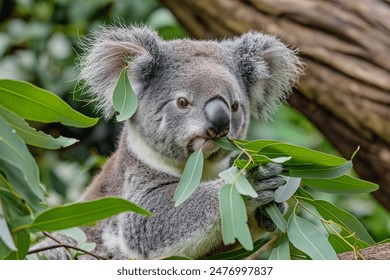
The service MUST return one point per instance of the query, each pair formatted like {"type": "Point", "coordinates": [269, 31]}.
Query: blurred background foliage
{"type": "Point", "coordinates": [40, 42]}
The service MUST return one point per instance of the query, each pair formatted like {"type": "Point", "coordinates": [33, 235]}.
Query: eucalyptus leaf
{"type": "Point", "coordinates": [309, 239]}
{"type": "Point", "coordinates": [342, 185]}
{"type": "Point", "coordinates": [83, 213]}
{"type": "Point", "coordinates": [257, 145]}
{"type": "Point", "coordinates": [190, 178]}
{"type": "Point", "coordinates": [319, 172]}
{"type": "Point", "coordinates": [282, 252]}
{"type": "Point", "coordinates": [124, 99]}
{"type": "Point", "coordinates": [6, 236]}
{"type": "Point", "coordinates": [32, 136]}
{"type": "Point", "coordinates": [234, 217]}
{"type": "Point", "coordinates": [233, 175]}
{"type": "Point", "coordinates": [341, 246]}
{"type": "Point", "coordinates": [331, 212]}
{"type": "Point", "coordinates": [276, 216]}
{"type": "Point", "coordinates": [240, 254]}
{"type": "Point", "coordinates": [225, 144]}
{"type": "Point", "coordinates": [19, 166]}
{"type": "Point", "coordinates": [33, 103]}
{"type": "Point", "coordinates": [286, 191]}
{"type": "Point", "coordinates": [22, 240]}
{"type": "Point", "coordinates": [300, 155]}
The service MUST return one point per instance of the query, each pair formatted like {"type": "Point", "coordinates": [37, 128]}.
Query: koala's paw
{"type": "Point", "coordinates": [265, 179]}
{"type": "Point", "coordinates": [263, 219]}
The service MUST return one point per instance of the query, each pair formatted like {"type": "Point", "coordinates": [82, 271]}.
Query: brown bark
{"type": "Point", "coordinates": [378, 252]}
{"type": "Point", "coordinates": [345, 44]}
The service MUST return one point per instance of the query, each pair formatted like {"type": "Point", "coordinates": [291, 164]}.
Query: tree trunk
{"type": "Point", "coordinates": [345, 44]}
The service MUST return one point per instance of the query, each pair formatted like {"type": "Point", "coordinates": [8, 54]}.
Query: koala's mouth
{"type": "Point", "coordinates": [207, 144]}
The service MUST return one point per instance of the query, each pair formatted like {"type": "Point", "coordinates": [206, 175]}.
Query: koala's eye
{"type": "Point", "coordinates": [182, 102]}
{"type": "Point", "coordinates": [235, 106]}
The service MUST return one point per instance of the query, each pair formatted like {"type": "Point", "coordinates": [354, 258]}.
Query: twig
{"type": "Point", "coordinates": [62, 245]}
{"type": "Point", "coordinates": [66, 246]}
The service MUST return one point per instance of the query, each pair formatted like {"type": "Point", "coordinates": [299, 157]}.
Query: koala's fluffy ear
{"type": "Point", "coordinates": [107, 52]}
{"type": "Point", "coordinates": [269, 70]}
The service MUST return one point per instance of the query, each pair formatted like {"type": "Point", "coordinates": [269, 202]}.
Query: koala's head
{"type": "Point", "coordinates": [190, 92]}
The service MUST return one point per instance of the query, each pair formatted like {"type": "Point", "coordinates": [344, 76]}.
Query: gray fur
{"type": "Point", "coordinates": [256, 70]}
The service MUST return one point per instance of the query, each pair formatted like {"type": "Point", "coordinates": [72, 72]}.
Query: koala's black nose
{"type": "Point", "coordinates": [218, 115]}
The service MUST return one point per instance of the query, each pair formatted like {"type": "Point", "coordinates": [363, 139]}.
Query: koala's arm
{"type": "Point", "coordinates": [192, 229]}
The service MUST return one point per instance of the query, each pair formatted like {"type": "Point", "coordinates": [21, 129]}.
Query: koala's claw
{"type": "Point", "coordinates": [256, 175]}
{"type": "Point", "coordinates": [265, 180]}
{"type": "Point", "coordinates": [263, 219]}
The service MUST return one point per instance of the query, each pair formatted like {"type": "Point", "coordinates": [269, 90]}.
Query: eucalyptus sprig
{"type": "Point", "coordinates": [301, 167]}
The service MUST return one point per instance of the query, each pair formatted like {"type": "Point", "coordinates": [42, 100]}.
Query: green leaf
{"type": "Point", "coordinates": [276, 216]}
{"type": "Point", "coordinates": [190, 179]}
{"type": "Point", "coordinates": [6, 236]}
{"type": "Point", "coordinates": [257, 145]}
{"type": "Point", "coordinates": [233, 175]}
{"type": "Point", "coordinates": [33, 103]}
{"type": "Point", "coordinates": [331, 212]}
{"type": "Point", "coordinates": [309, 239]}
{"type": "Point", "coordinates": [22, 240]}
{"type": "Point", "coordinates": [342, 185]}
{"type": "Point", "coordinates": [225, 144]}
{"type": "Point", "coordinates": [31, 136]}
{"type": "Point", "coordinates": [240, 254]}
{"type": "Point", "coordinates": [319, 172]}
{"type": "Point", "coordinates": [234, 217]}
{"type": "Point", "coordinates": [300, 155]}
{"type": "Point", "coordinates": [340, 246]}
{"type": "Point", "coordinates": [124, 99]}
{"type": "Point", "coordinates": [177, 258]}
{"type": "Point", "coordinates": [83, 213]}
{"type": "Point", "coordinates": [282, 252]}
{"type": "Point", "coordinates": [262, 159]}
{"type": "Point", "coordinates": [19, 166]}
{"type": "Point", "coordinates": [286, 191]}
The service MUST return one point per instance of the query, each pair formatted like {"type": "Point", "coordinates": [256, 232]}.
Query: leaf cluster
{"type": "Point", "coordinates": [301, 167]}
{"type": "Point", "coordinates": [23, 207]}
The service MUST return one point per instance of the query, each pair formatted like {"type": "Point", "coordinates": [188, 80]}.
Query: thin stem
{"type": "Point", "coordinates": [62, 245]}
{"type": "Point", "coordinates": [68, 247]}
{"type": "Point", "coordinates": [329, 224]}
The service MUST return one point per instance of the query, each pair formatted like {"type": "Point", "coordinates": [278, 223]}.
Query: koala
{"type": "Point", "coordinates": [189, 92]}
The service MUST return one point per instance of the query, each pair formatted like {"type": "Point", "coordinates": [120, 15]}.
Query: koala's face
{"type": "Point", "coordinates": [192, 97]}
{"type": "Point", "coordinates": [191, 92]}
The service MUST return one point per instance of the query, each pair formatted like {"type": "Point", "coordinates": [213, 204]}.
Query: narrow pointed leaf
{"type": "Point", "coordinates": [258, 145]}
{"type": "Point", "coordinates": [32, 136]}
{"type": "Point", "coordinates": [309, 239]}
{"type": "Point", "coordinates": [33, 103]}
{"type": "Point", "coordinates": [6, 236]}
{"type": "Point", "coordinates": [190, 179]}
{"type": "Point", "coordinates": [240, 253]}
{"type": "Point", "coordinates": [234, 217]}
{"type": "Point", "coordinates": [276, 216]}
{"type": "Point", "coordinates": [225, 144]}
{"type": "Point", "coordinates": [340, 246]}
{"type": "Point", "coordinates": [282, 252]}
{"type": "Point", "coordinates": [83, 213]}
{"type": "Point", "coordinates": [342, 185]}
{"type": "Point", "coordinates": [331, 212]}
{"type": "Point", "coordinates": [319, 172]}
{"type": "Point", "coordinates": [300, 155]}
{"type": "Point", "coordinates": [286, 191]}
{"type": "Point", "coordinates": [232, 175]}
{"type": "Point", "coordinates": [19, 166]}
{"type": "Point", "coordinates": [124, 99]}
